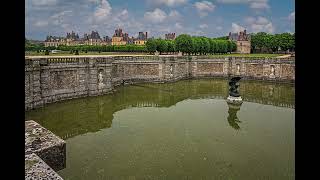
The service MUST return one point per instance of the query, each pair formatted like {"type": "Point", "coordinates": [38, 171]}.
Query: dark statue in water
{"type": "Point", "coordinates": [234, 85]}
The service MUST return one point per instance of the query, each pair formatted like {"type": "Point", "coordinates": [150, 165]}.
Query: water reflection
{"type": "Point", "coordinates": [233, 119]}
{"type": "Point", "coordinates": [71, 118]}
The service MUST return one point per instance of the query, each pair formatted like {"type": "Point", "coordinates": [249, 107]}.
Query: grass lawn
{"type": "Point", "coordinates": [82, 53]}
{"type": "Point", "coordinates": [245, 55]}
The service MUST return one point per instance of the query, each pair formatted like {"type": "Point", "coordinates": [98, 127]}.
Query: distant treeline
{"type": "Point", "coordinates": [263, 42]}
{"type": "Point", "coordinates": [191, 45]}
{"type": "Point", "coordinates": [90, 48]}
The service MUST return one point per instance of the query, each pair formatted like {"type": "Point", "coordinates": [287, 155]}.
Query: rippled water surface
{"type": "Point", "coordinates": [182, 130]}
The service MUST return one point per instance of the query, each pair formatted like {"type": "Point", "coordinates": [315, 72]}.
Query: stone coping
{"type": "Point", "coordinates": [49, 147]}
{"type": "Point", "coordinates": [82, 56]}
{"type": "Point", "coordinates": [160, 56]}
{"type": "Point", "coordinates": [36, 168]}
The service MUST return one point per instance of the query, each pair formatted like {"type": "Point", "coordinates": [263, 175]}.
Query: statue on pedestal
{"type": "Point", "coordinates": [234, 85]}
{"type": "Point", "coordinates": [234, 96]}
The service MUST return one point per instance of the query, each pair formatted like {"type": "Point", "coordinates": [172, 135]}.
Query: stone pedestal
{"type": "Point", "coordinates": [234, 100]}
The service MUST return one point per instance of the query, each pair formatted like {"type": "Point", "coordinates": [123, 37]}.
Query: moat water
{"type": "Point", "coordinates": [181, 130]}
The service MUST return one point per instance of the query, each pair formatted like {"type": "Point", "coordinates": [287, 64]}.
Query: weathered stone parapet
{"type": "Point", "coordinates": [51, 79]}
{"type": "Point", "coordinates": [36, 168]}
{"type": "Point", "coordinates": [49, 147]}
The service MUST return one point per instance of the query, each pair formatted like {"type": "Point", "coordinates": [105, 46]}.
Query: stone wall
{"type": "Point", "coordinates": [52, 79]}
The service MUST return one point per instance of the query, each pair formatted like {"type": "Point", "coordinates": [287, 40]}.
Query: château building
{"type": "Point", "coordinates": [243, 41]}
{"type": "Point", "coordinates": [54, 41]}
{"type": "Point", "coordinates": [142, 38]}
{"type": "Point", "coordinates": [118, 37]}
{"type": "Point", "coordinates": [93, 38]}
{"type": "Point", "coordinates": [170, 36]}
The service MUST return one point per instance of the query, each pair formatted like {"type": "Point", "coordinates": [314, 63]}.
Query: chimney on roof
{"type": "Point", "coordinates": [146, 35]}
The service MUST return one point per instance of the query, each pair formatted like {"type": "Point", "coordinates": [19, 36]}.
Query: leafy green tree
{"type": "Point", "coordinates": [196, 45]}
{"type": "Point", "coordinates": [171, 46]}
{"type": "Point", "coordinates": [259, 41]}
{"type": "Point", "coordinates": [151, 45]}
{"type": "Point", "coordinates": [286, 41]}
{"type": "Point", "coordinates": [162, 45]}
{"type": "Point", "coordinates": [184, 43]}
{"type": "Point", "coordinates": [273, 43]}
{"type": "Point", "coordinates": [205, 45]}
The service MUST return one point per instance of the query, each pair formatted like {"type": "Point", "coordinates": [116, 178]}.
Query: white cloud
{"type": "Point", "coordinates": [156, 16]}
{"type": "Point", "coordinates": [254, 4]}
{"type": "Point", "coordinates": [204, 7]}
{"type": "Point", "coordinates": [169, 3]}
{"type": "Point", "coordinates": [178, 26]}
{"type": "Point", "coordinates": [59, 18]}
{"type": "Point", "coordinates": [174, 15]}
{"type": "Point", "coordinates": [292, 16]}
{"type": "Point", "coordinates": [41, 23]}
{"type": "Point", "coordinates": [203, 26]}
{"type": "Point", "coordinates": [249, 20]}
{"type": "Point", "coordinates": [60, 14]}
{"type": "Point", "coordinates": [259, 5]}
{"type": "Point", "coordinates": [124, 14]}
{"type": "Point", "coordinates": [259, 24]}
{"type": "Point", "coordinates": [235, 28]}
{"type": "Point", "coordinates": [102, 11]}
{"type": "Point", "coordinates": [44, 2]}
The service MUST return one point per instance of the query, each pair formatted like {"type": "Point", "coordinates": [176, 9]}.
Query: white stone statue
{"type": "Point", "coordinates": [238, 68]}
{"type": "Point", "coordinates": [100, 81]}
{"type": "Point", "coordinates": [100, 77]}
{"type": "Point", "coordinates": [272, 71]}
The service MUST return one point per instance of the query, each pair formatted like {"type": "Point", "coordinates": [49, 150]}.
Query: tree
{"type": "Point", "coordinates": [274, 42]}
{"type": "Point", "coordinates": [286, 41]}
{"type": "Point", "coordinates": [212, 46]}
{"type": "Point", "coordinates": [184, 43]}
{"type": "Point", "coordinates": [196, 45]}
{"type": "Point", "coordinates": [162, 45]}
{"type": "Point", "coordinates": [151, 46]}
{"type": "Point", "coordinates": [171, 46]}
{"type": "Point", "coordinates": [205, 45]}
{"type": "Point", "coordinates": [259, 41]}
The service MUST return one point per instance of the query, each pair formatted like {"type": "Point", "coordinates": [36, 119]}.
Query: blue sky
{"type": "Point", "coordinates": [210, 18]}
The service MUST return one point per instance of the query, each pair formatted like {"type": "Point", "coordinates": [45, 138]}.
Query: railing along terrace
{"type": "Point", "coordinates": [103, 60]}
{"type": "Point", "coordinates": [60, 60]}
